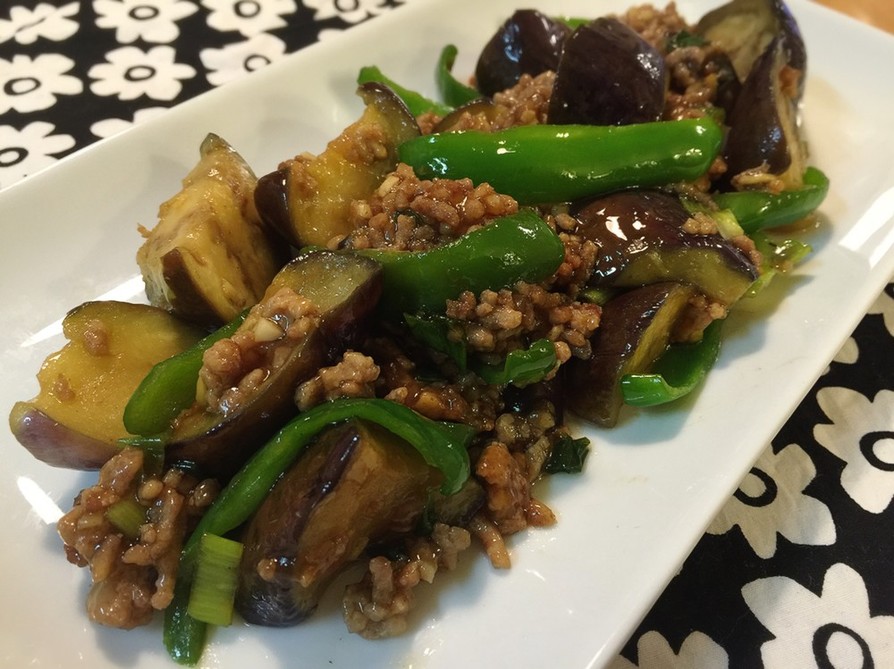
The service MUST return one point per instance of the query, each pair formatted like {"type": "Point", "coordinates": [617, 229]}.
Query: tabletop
{"type": "Point", "coordinates": [795, 571]}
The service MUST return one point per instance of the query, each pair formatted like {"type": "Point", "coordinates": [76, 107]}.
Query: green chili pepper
{"type": "Point", "coordinates": [559, 163]}
{"type": "Point", "coordinates": [453, 92]}
{"type": "Point", "coordinates": [442, 445]}
{"type": "Point", "coordinates": [520, 247]}
{"type": "Point", "coordinates": [416, 102]}
{"type": "Point", "coordinates": [676, 373]}
{"type": "Point", "coordinates": [170, 386]}
{"type": "Point", "coordinates": [521, 367]}
{"type": "Point", "coordinates": [757, 210]}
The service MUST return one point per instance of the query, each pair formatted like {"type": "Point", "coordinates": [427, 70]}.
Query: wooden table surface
{"type": "Point", "coordinates": [879, 13]}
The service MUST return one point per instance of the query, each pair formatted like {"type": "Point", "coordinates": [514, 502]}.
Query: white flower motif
{"type": "Point", "coordinates": [24, 152]}
{"type": "Point", "coordinates": [148, 20]}
{"type": "Point", "coordinates": [834, 629]}
{"type": "Point", "coordinates": [350, 11]}
{"type": "Point", "coordinates": [130, 72]}
{"type": "Point", "coordinates": [28, 85]}
{"type": "Point", "coordinates": [849, 353]}
{"type": "Point", "coordinates": [113, 126]}
{"type": "Point", "coordinates": [654, 652]}
{"type": "Point", "coordinates": [27, 25]}
{"type": "Point", "coordinates": [861, 434]}
{"type": "Point", "coordinates": [884, 305]}
{"type": "Point", "coordinates": [236, 60]}
{"type": "Point", "coordinates": [770, 501]}
{"type": "Point", "coordinates": [249, 17]}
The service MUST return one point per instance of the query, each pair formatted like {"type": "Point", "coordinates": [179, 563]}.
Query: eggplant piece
{"type": "Point", "coordinates": [641, 241]}
{"type": "Point", "coordinates": [764, 133]}
{"type": "Point", "coordinates": [529, 42]}
{"type": "Point", "coordinates": [608, 75]}
{"type": "Point", "coordinates": [76, 419]}
{"type": "Point", "coordinates": [745, 28]}
{"type": "Point", "coordinates": [209, 256]}
{"type": "Point", "coordinates": [344, 289]}
{"type": "Point", "coordinates": [357, 485]}
{"type": "Point", "coordinates": [633, 333]}
{"type": "Point", "coordinates": [307, 200]}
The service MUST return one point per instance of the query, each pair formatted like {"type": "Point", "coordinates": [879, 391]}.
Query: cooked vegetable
{"type": "Point", "coordinates": [635, 330]}
{"type": "Point", "coordinates": [554, 163]}
{"type": "Point", "coordinates": [415, 102]}
{"type": "Point", "coordinates": [442, 445]}
{"type": "Point", "coordinates": [641, 240]}
{"type": "Point", "coordinates": [453, 92]}
{"type": "Point", "coordinates": [760, 210]}
{"type": "Point", "coordinates": [216, 580]}
{"type": "Point", "coordinates": [529, 42]}
{"type": "Point", "coordinates": [514, 248]}
{"type": "Point", "coordinates": [676, 373]}
{"type": "Point", "coordinates": [608, 75]}
{"type": "Point", "coordinates": [308, 199]}
{"type": "Point", "coordinates": [357, 485]}
{"type": "Point", "coordinates": [342, 291]}
{"type": "Point", "coordinates": [567, 456]}
{"type": "Point", "coordinates": [127, 515]}
{"type": "Point", "coordinates": [75, 420]}
{"type": "Point", "coordinates": [170, 386]}
{"type": "Point", "coordinates": [209, 257]}
{"type": "Point", "coordinates": [522, 366]}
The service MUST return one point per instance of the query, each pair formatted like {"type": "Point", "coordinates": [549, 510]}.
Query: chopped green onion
{"type": "Point", "coordinates": [215, 581]}
{"type": "Point", "coordinates": [127, 515]}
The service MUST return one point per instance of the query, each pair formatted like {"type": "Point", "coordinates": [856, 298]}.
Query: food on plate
{"type": "Point", "coordinates": [394, 329]}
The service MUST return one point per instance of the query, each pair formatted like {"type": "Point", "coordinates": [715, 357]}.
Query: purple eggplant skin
{"type": "Point", "coordinates": [745, 28]}
{"type": "Point", "coordinates": [357, 485]}
{"type": "Point", "coordinates": [641, 240]}
{"type": "Point", "coordinates": [529, 42]}
{"type": "Point", "coordinates": [608, 75]}
{"type": "Point", "coordinates": [764, 121]}
{"type": "Point", "coordinates": [634, 331]}
{"type": "Point", "coordinates": [346, 289]}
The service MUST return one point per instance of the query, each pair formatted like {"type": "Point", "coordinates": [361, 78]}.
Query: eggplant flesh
{"type": "Point", "coordinates": [641, 240]}
{"type": "Point", "coordinates": [344, 289]}
{"type": "Point", "coordinates": [357, 485]}
{"type": "Point", "coordinates": [308, 198]}
{"type": "Point", "coordinates": [608, 75]}
{"type": "Point", "coordinates": [634, 331]}
{"type": "Point", "coordinates": [529, 42]}
{"type": "Point", "coordinates": [75, 421]}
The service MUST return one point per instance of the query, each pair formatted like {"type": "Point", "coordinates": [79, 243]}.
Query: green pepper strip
{"type": "Point", "coordinates": [170, 386]}
{"type": "Point", "coordinates": [453, 92]}
{"type": "Point", "coordinates": [442, 445]}
{"type": "Point", "coordinates": [521, 367]}
{"type": "Point", "coordinates": [416, 102]}
{"type": "Point", "coordinates": [676, 373]}
{"type": "Point", "coordinates": [756, 210]}
{"type": "Point", "coordinates": [559, 163]}
{"type": "Point", "coordinates": [520, 247]}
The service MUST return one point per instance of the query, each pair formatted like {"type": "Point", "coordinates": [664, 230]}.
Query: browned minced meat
{"type": "Point", "coordinates": [466, 400]}
{"type": "Point", "coordinates": [693, 72]}
{"type": "Point", "coordinates": [655, 24]}
{"type": "Point", "coordinates": [132, 577]}
{"type": "Point", "coordinates": [526, 103]}
{"type": "Point", "coordinates": [353, 376]}
{"type": "Point", "coordinates": [580, 255]}
{"type": "Point", "coordinates": [234, 367]}
{"type": "Point", "coordinates": [378, 605]}
{"type": "Point", "coordinates": [498, 321]}
{"type": "Point", "coordinates": [408, 213]}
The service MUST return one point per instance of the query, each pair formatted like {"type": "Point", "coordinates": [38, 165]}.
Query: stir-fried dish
{"type": "Point", "coordinates": [368, 354]}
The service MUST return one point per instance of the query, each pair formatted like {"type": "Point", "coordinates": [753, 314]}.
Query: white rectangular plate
{"type": "Point", "coordinates": [650, 487]}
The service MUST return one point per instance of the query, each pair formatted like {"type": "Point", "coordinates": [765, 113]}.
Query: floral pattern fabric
{"type": "Point", "coordinates": [795, 571]}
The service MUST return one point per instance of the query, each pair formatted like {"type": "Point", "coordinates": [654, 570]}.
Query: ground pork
{"type": "Point", "coordinates": [233, 368]}
{"type": "Point", "coordinates": [500, 321]}
{"type": "Point", "coordinates": [132, 576]}
{"type": "Point", "coordinates": [378, 605]}
{"type": "Point", "coordinates": [412, 214]}
{"type": "Point", "coordinates": [353, 376]}
{"type": "Point", "coordinates": [654, 24]}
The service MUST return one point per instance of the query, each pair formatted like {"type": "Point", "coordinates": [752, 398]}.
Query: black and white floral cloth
{"type": "Point", "coordinates": [796, 571]}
